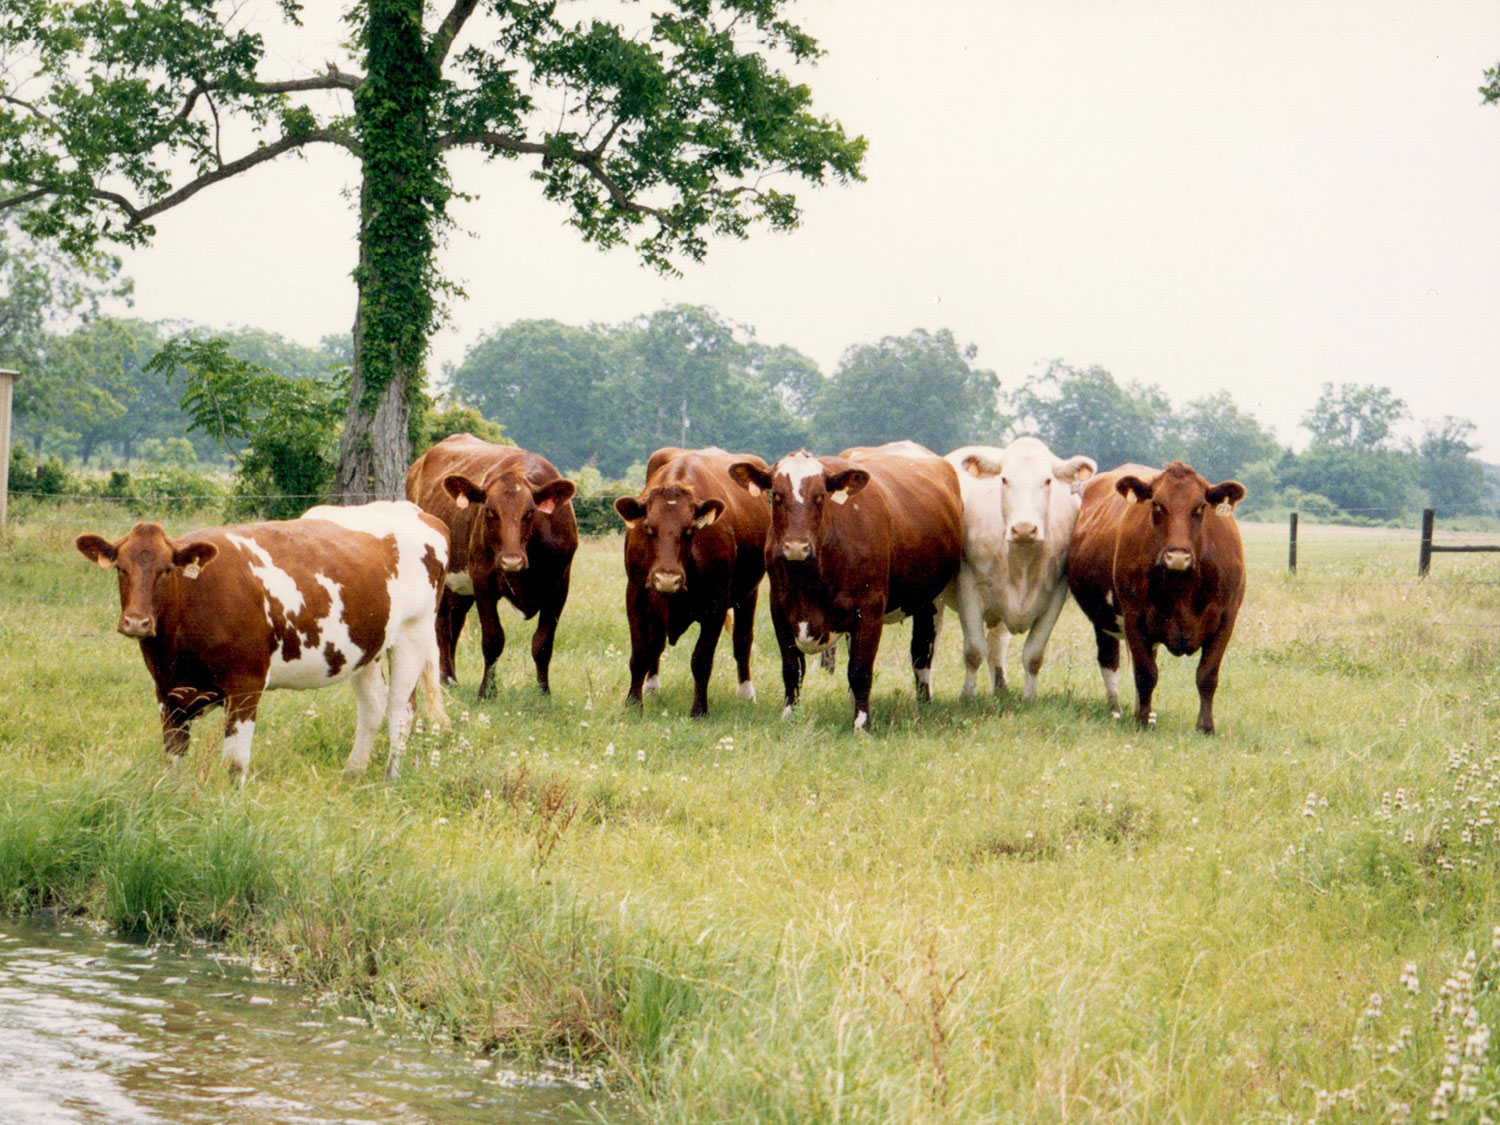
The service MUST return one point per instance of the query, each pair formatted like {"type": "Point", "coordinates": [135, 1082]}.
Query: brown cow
{"type": "Point", "coordinates": [227, 613]}
{"type": "Point", "coordinates": [1156, 558]}
{"type": "Point", "coordinates": [511, 535]}
{"type": "Point", "coordinates": [694, 549]}
{"type": "Point", "coordinates": [871, 535]}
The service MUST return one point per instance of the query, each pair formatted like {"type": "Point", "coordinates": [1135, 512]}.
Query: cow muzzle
{"type": "Point", "coordinates": [1024, 533]}
{"type": "Point", "coordinates": [1175, 558]}
{"type": "Point", "coordinates": [137, 627]}
{"type": "Point", "coordinates": [512, 564]}
{"type": "Point", "coordinates": [796, 550]}
{"type": "Point", "coordinates": [666, 582]}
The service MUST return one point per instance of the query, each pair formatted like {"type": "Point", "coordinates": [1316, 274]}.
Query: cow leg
{"type": "Point", "coordinates": [239, 729]}
{"type": "Point", "coordinates": [369, 698]}
{"type": "Point", "coordinates": [1108, 646]}
{"type": "Point", "coordinates": [709, 628]}
{"type": "Point", "coordinates": [648, 636]}
{"type": "Point", "coordinates": [453, 609]}
{"type": "Point", "coordinates": [1036, 640]}
{"type": "Point", "coordinates": [541, 645]}
{"type": "Point", "coordinates": [793, 663]}
{"type": "Point", "coordinates": [864, 642]}
{"type": "Point", "coordinates": [744, 634]}
{"type": "Point", "coordinates": [971, 621]}
{"type": "Point", "coordinates": [1143, 664]}
{"type": "Point", "coordinates": [407, 660]}
{"type": "Point", "coordinates": [923, 642]}
{"type": "Point", "coordinates": [998, 648]}
{"type": "Point", "coordinates": [491, 641]}
{"type": "Point", "coordinates": [1208, 676]}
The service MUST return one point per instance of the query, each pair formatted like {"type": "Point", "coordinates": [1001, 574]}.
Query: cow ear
{"type": "Point", "coordinates": [631, 510]}
{"type": "Point", "coordinates": [1225, 495]}
{"type": "Point", "coordinates": [463, 490]}
{"type": "Point", "coordinates": [1075, 470]}
{"type": "Point", "coordinates": [549, 496]}
{"type": "Point", "coordinates": [843, 485]}
{"type": "Point", "coordinates": [978, 465]}
{"type": "Point", "coordinates": [706, 512]}
{"type": "Point", "coordinates": [1133, 489]}
{"type": "Point", "coordinates": [97, 549]}
{"type": "Point", "coordinates": [753, 478]}
{"type": "Point", "coordinates": [194, 557]}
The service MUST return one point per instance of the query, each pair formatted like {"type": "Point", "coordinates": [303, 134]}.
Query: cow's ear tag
{"type": "Point", "coordinates": [461, 502]}
{"type": "Point", "coordinates": [192, 570]}
{"type": "Point", "coordinates": [839, 497]}
{"type": "Point", "coordinates": [1130, 497]}
{"type": "Point", "coordinates": [752, 488]}
{"type": "Point", "coordinates": [1225, 508]}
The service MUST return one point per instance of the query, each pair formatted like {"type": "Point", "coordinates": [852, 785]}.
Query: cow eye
{"type": "Point", "coordinates": [1005, 481]}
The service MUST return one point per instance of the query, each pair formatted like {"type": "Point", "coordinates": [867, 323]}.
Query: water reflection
{"type": "Point", "coordinates": [97, 1029]}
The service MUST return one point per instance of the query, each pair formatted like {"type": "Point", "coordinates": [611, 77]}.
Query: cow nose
{"type": "Point", "coordinates": [1176, 558]}
{"type": "Point", "coordinates": [136, 626]}
{"type": "Point", "coordinates": [796, 550]}
{"type": "Point", "coordinates": [666, 582]}
{"type": "Point", "coordinates": [1023, 532]}
{"type": "Point", "coordinates": [512, 563]}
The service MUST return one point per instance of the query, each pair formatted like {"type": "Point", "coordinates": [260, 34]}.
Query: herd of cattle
{"type": "Point", "coordinates": [849, 543]}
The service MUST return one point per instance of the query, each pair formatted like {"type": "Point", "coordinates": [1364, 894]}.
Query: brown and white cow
{"type": "Point", "coordinates": [1020, 504]}
{"type": "Point", "coordinates": [871, 535]}
{"type": "Point", "coordinates": [694, 549]}
{"type": "Point", "coordinates": [1156, 559]}
{"type": "Point", "coordinates": [225, 614]}
{"type": "Point", "coordinates": [511, 534]}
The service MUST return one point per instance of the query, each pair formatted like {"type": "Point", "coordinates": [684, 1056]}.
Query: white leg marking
{"type": "Point", "coordinates": [862, 721]}
{"type": "Point", "coordinates": [408, 659]}
{"type": "Point", "coordinates": [652, 684]}
{"type": "Point", "coordinates": [747, 691]}
{"type": "Point", "coordinates": [237, 747]}
{"type": "Point", "coordinates": [786, 712]}
{"type": "Point", "coordinates": [1111, 678]}
{"type": "Point", "coordinates": [924, 679]}
{"type": "Point", "coordinates": [369, 697]}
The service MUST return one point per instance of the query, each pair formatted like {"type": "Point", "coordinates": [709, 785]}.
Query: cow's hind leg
{"type": "Point", "coordinates": [1108, 646]}
{"type": "Point", "coordinates": [369, 698]}
{"type": "Point", "coordinates": [744, 635]}
{"type": "Point", "coordinates": [452, 610]}
{"type": "Point", "coordinates": [971, 621]}
{"type": "Point", "coordinates": [408, 658]}
{"type": "Point", "coordinates": [923, 642]}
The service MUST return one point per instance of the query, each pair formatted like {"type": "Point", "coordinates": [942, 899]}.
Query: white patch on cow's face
{"type": "Point", "coordinates": [798, 470]}
{"type": "Point", "coordinates": [460, 582]}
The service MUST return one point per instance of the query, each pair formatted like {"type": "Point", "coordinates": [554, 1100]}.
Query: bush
{"type": "Point", "coordinates": [162, 490]}
{"type": "Point", "coordinates": [36, 478]}
{"type": "Point", "coordinates": [596, 514]}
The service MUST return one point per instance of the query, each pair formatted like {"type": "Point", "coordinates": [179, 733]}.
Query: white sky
{"type": "Point", "coordinates": [1253, 196]}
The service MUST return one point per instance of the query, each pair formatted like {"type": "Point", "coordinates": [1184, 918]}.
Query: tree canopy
{"type": "Point", "coordinates": [657, 131]}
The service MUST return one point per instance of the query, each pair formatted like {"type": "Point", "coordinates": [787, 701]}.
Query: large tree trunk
{"type": "Point", "coordinates": [374, 450]}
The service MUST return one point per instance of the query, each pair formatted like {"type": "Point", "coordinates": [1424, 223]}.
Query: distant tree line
{"type": "Point", "coordinates": [117, 392]}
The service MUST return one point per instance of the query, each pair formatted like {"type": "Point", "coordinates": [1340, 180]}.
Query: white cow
{"type": "Point", "coordinates": [1020, 504]}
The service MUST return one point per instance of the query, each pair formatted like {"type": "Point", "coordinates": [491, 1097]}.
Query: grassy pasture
{"type": "Point", "coordinates": [982, 911]}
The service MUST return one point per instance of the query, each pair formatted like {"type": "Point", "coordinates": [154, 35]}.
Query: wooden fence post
{"type": "Point", "coordinates": [1424, 557]}
{"type": "Point", "coordinates": [1291, 550]}
{"type": "Point", "coordinates": [7, 382]}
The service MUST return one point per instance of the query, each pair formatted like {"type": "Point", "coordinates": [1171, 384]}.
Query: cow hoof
{"type": "Point", "coordinates": [747, 691]}
{"type": "Point", "coordinates": [786, 712]}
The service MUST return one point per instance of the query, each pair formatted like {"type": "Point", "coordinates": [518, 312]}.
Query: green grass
{"type": "Point", "coordinates": [983, 911]}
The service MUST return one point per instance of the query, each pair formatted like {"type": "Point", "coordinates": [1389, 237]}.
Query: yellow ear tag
{"type": "Point", "coordinates": [192, 570]}
{"type": "Point", "coordinates": [1225, 508]}
{"type": "Point", "coordinates": [461, 502]}
{"type": "Point", "coordinates": [1130, 497]}
{"type": "Point", "coordinates": [752, 488]}
{"type": "Point", "coordinates": [838, 497]}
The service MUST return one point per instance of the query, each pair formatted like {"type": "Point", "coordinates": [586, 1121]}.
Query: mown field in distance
{"type": "Point", "coordinates": [983, 911]}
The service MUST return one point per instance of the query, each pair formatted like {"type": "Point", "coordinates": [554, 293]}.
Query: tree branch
{"type": "Point", "coordinates": [335, 79]}
{"type": "Point", "coordinates": [589, 159]}
{"type": "Point", "coordinates": [452, 24]}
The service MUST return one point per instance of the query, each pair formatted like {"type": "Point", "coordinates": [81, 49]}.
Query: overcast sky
{"type": "Point", "coordinates": [1259, 196]}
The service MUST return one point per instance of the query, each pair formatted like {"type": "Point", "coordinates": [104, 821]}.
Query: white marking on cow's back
{"type": "Point", "coordinates": [275, 582]}
{"type": "Point", "coordinates": [311, 668]}
{"type": "Point", "coordinates": [798, 470]}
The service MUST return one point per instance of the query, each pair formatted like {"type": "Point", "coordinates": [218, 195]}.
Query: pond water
{"type": "Point", "coordinates": [93, 1028]}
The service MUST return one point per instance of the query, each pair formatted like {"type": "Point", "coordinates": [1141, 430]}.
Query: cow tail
{"type": "Point", "coordinates": [432, 692]}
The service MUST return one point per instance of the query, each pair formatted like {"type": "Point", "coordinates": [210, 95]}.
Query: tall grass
{"type": "Point", "coordinates": [984, 911]}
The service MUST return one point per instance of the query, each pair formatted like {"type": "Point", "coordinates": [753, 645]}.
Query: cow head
{"type": "Point", "coordinates": [1180, 500]}
{"type": "Point", "coordinates": [148, 564]}
{"type": "Point", "coordinates": [800, 488]}
{"type": "Point", "coordinates": [1030, 474]}
{"type": "Point", "coordinates": [511, 510]}
{"type": "Point", "coordinates": [666, 518]}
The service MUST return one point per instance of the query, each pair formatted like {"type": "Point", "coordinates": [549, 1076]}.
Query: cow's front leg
{"type": "Point", "coordinates": [793, 663]}
{"type": "Point", "coordinates": [491, 641]}
{"type": "Point", "coordinates": [240, 706]}
{"type": "Point", "coordinates": [997, 647]}
{"type": "Point", "coordinates": [541, 643]}
{"type": "Point", "coordinates": [864, 643]}
{"type": "Point", "coordinates": [452, 610]}
{"type": "Point", "coordinates": [923, 642]}
{"type": "Point", "coordinates": [648, 636]}
{"type": "Point", "coordinates": [179, 706]}
{"type": "Point", "coordinates": [709, 628]}
{"type": "Point", "coordinates": [1036, 640]}
{"type": "Point", "coordinates": [1208, 674]}
{"type": "Point", "coordinates": [1143, 664]}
